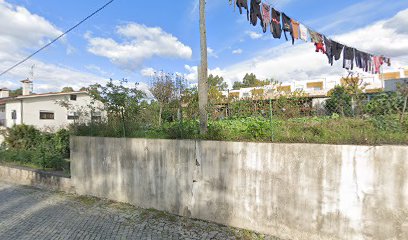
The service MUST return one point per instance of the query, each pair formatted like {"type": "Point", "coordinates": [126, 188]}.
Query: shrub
{"type": "Point", "coordinates": [27, 145]}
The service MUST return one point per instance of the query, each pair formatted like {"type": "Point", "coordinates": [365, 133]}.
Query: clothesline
{"type": "Point", "coordinates": [367, 61]}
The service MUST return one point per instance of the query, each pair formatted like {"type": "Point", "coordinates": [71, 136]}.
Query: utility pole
{"type": "Point", "coordinates": [203, 73]}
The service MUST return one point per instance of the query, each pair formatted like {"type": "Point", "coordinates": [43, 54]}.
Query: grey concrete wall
{"type": "Point", "coordinates": [293, 191]}
{"type": "Point", "coordinates": [39, 179]}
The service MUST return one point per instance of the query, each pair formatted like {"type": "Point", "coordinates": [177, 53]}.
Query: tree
{"type": "Point", "coordinates": [216, 84]}
{"type": "Point", "coordinates": [119, 100]}
{"type": "Point", "coordinates": [250, 80]}
{"type": "Point", "coordinates": [163, 90]}
{"type": "Point", "coordinates": [17, 92]}
{"type": "Point", "coordinates": [67, 89]}
{"type": "Point", "coordinates": [340, 102]}
{"type": "Point", "coordinates": [203, 73]}
{"type": "Point", "coordinates": [354, 86]}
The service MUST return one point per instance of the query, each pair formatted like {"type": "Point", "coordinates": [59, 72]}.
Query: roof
{"type": "Point", "coordinates": [41, 95]}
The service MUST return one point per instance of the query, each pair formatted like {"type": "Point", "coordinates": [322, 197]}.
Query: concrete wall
{"type": "Point", "coordinates": [39, 179]}
{"type": "Point", "coordinates": [293, 191]}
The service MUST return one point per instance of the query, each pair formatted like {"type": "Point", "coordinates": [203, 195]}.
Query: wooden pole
{"type": "Point", "coordinates": [203, 73]}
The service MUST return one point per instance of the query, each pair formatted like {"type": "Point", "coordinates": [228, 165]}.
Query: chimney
{"type": "Point", "coordinates": [402, 73]}
{"type": "Point", "coordinates": [27, 87]}
{"type": "Point", "coordinates": [4, 93]}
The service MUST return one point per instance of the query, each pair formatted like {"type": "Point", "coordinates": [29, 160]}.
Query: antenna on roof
{"type": "Point", "coordinates": [31, 77]}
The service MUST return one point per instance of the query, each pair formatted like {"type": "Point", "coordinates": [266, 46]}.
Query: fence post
{"type": "Point", "coordinates": [270, 117]}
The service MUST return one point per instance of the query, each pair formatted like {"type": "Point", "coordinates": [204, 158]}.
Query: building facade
{"type": "Point", "coordinates": [49, 111]}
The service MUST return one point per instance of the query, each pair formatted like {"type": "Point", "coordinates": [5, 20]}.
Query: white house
{"type": "Point", "coordinates": [48, 111]}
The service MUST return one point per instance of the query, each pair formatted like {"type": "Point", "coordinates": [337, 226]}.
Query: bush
{"type": "Point", "coordinates": [27, 145]}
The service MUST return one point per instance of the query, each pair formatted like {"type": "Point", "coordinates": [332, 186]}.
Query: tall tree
{"type": "Point", "coordinates": [203, 72]}
{"type": "Point", "coordinates": [119, 100]}
{"type": "Point", "coordinates": [250, 80]}
{"type": "Point", "coordinates": [163, 90]}
{"type": "Point", "coordinates": [67, 89]}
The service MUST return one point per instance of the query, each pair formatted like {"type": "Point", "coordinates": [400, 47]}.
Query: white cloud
{"type": "Point", "coordinates": [254, 35]}
{"type": "Point", "coordinates": [139, 44]}
{"type": "Point", "coordinates": [301, 62]}
{"type": "Point", "coordinates": [211, 53]}
{"type": "Point", "coordinates": [237, 51]}
{"type": "Point", "coordinates": [22, 31]}
{"type": "Point", "coordinates": [147, 72]}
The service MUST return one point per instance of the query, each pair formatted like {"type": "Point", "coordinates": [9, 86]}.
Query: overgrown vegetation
{"type": "Point", "coordinates": [347, 117]}
{"type": "Point", "coordinates": [27, 146]}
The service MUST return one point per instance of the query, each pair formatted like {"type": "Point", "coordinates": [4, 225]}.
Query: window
{"type": "Point", "coordinates": [46, 115]}
{"type": "Point", "coordinates": [96, 116]}
{"type": "Point", "coordinates": [73, 97]}
{"type": "Point", "coordinates": [14, 114]}
{"type": "Point", "coordinates": [73, 116]}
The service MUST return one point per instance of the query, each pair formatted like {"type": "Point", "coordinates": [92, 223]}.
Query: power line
{"type": "Point", "coordinates": [56, 39]}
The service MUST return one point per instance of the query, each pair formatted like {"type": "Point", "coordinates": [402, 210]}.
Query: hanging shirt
{"type": "Point", "coordinates": [287, 26]}
{"type": "Point", "coordinates": [329, 52]}
{"type": "Point", "coordinates": [358, 56]}
{"type": "Point", "coordinates": [348, 58]}
{"type": "Point", "coordinates": [266, 16]}
{"type": "Point", "coordinates": [255, 12]}
{"type": "Point", "coordinates": [337, 49]}
{"type": "Point", "coordinates": [295, 28]}
{"type": "Point", "coordinates": [303, 32]}
{"type": "Point", "coordinates": [368, 59]}
{"type": "Point", "coordinates": [378, 62]}
{"type": "Point", "coordinates": [276, 27]}
{"type": "Point", "coordinates": [243, 4]}
{"type": "Point", "coordinates": [315, 36]}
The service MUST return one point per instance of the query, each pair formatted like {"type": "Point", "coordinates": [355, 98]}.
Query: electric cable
{"type": "Point", "coordinates": [56, 39]}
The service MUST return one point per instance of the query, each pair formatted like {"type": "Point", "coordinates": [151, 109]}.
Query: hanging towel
{"type": "Point", "coordinates": [276, 27]}
{"type": "Point", "coordinates": [303, 32]}
{"type": "Point", "coordinates": [242, 4]}
{"type": "Point", "coordinates": [287, 27]}
{"type": "Point", "coordinates": [255, 12]}
{"type": "Point", "coordinates": [348, 58]}
{"type": "Point", "coordinates": [315, 36]}
{"type": "Point", "coordinates": [295, 28]}
{"type": "Point", "coordinates": [266, 16]}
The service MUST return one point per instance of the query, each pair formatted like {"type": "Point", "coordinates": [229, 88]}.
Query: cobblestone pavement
{"type": "Point", "coordinates": [28, 213]}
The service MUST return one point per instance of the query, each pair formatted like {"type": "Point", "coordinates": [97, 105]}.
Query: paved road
{"type": "Point", "coordinates": [28, 213]}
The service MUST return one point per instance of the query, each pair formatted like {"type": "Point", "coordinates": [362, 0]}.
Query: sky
{"type": "Point", "coordinates": [133, 39]}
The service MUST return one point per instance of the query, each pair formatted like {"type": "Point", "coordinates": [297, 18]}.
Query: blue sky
{"type": "Point", "coordinates": [129, 39]}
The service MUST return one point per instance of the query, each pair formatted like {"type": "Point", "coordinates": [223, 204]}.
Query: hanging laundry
{"type": "Point", "coordinates": [329, 52]}
{"type": "Point", "coordinates": [287, 27]}
{"type": "Point", "coordinates": [276, 27]}
{"type": "Point", "coordinates": [303, 32]}
{"type": "Point", "coordinates": [295, 28]}
{"type": "Point", "coordinates": [266, 16]}
{"type": "Point", "coordinates": [255, 12]}
{"type": "Point", "coordinates": [387, 61]}
{"type": "Point", "coordinates": [320, 47]}
{"type": "Point", "coordinates": [337, 49]}
{"type": "Point", "coordinates": [348, 58]}
{"type": "Point", "coordinates": [242, 4]}
{"type": "Point", "coordinates": [368, 62]}
{"type": "Point", "coordinates": [358, 56]}
{"type": "Point", "coordinates": [378, 62]}
{"type": "Point", "coordinates": [315, 36]}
